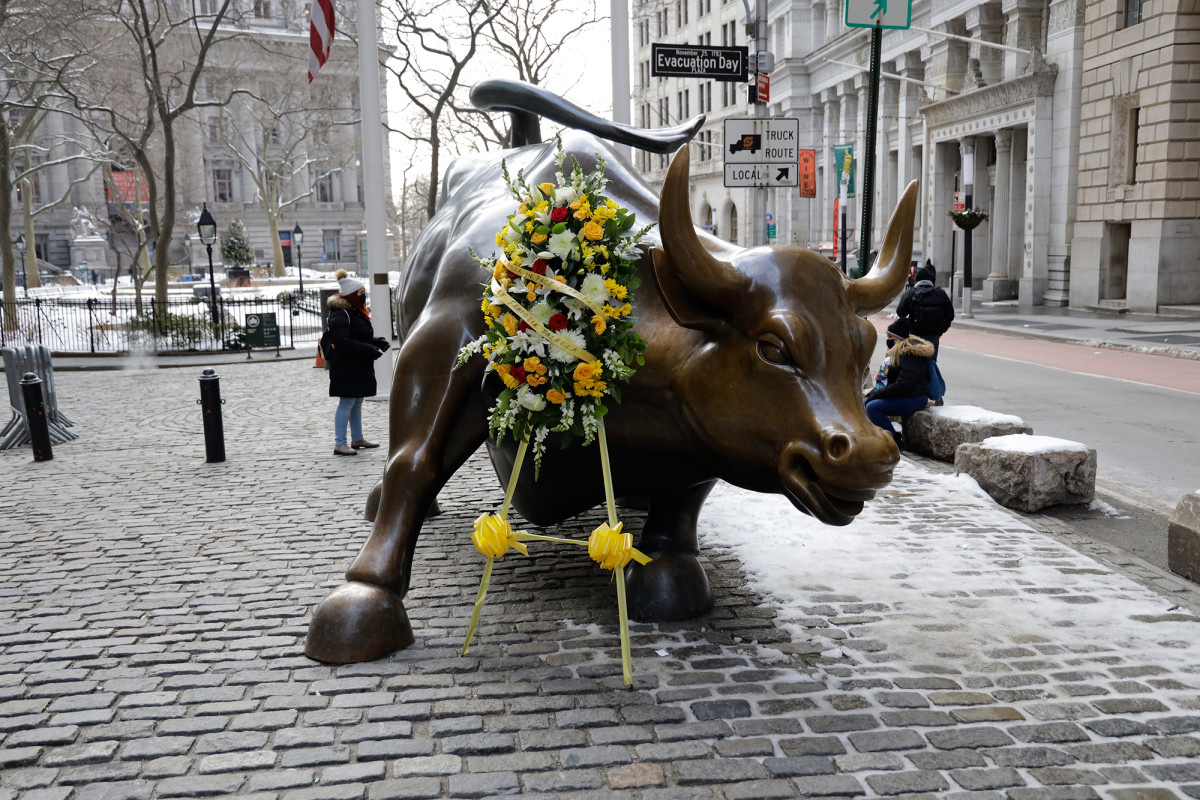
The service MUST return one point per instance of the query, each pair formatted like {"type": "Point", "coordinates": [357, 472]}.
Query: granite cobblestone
{"type": "Point", "coordinates": [150, 648]}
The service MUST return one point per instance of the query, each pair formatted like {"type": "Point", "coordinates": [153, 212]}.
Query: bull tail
{"type": "Point", "coordinates": [527, 103]}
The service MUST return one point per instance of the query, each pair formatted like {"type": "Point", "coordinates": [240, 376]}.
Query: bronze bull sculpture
{"type": "Point", "coordinates": [752, 375]}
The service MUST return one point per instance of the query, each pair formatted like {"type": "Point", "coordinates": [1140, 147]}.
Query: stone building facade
{"type": "Point", "coordinates": [1029, 86]}
{"type": "Point", "coordinates": [207, 168]}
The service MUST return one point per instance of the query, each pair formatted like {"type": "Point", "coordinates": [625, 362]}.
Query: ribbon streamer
{"type": "Point", "coordinates": [512, 305]}
{"type": "Point", "coordinates": [557, 286]}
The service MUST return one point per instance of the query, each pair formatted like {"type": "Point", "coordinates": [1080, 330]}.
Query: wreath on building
{"type": "Point", "coordinates": [968, 219]}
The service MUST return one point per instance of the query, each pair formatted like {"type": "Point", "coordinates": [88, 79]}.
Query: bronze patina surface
{"type": "Point", "coordinates": [753, 371]}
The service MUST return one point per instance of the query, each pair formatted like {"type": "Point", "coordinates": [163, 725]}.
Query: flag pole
{"type": "Point", "coordinates": [371, 128]}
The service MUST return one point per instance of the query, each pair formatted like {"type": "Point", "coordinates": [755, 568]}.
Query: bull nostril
{"type": "Point", "coordinates": [837, 446]}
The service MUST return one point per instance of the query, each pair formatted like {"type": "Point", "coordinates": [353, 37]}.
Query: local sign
{"type": "Point", "coordinates": [698, 61]}
{"type": "Point", "coordinates": [762, 152]}
{"type": "Point", "coordinates": [879, 13]}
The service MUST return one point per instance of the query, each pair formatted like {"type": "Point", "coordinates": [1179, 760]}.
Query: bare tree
{"type": "Point", "coordinates": [412, 212]}
{"type": "Point", "coordinates": [161, 49]}
{"type": "Point", "coordinates": [290, 139]}
{"type": "Point", "coordinates": [437, 41]}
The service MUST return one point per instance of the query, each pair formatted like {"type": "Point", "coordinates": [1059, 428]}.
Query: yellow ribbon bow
{"type": "Point", "coordinates": [612, 549]}
{"type": "Point", "coordinates": [493, 536]}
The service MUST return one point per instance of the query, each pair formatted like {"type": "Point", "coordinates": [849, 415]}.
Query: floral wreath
{"type": "Point", "coordinates": [559, 314]}
{"type": "Point", "coordinates": [558, 307]}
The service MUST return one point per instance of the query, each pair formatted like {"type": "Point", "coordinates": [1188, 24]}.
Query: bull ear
{"type": "Point", "coordinates": [876, 289]}
{"type": "Point", "coordinates": [699, 289]}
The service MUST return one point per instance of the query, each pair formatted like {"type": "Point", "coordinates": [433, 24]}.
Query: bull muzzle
{"type": "Point", "coordinates": [833, 478]}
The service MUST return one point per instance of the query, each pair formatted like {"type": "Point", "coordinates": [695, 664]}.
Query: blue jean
{"type": "Point", "coordinates": [349, 409]}
{"type": "Point", "coordinates": [878, 411]}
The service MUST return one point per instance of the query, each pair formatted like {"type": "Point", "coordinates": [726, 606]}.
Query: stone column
{"type": "Point", "coordinates": [942, 164]}
{"type": "Point", "coordinates": [1064, 47]}
{"type": "Point", "coordinates": [820, 13]}
{"type": "Point", "coordinates": [885, 143]}
{"type": "Point", "coordinates": [833, 19]}
{"type": "Point", "coordinates": [947, 60]}
{"type": "Point", "coordinates": [1022, 28]}
{"type": "Point", "coordinates": [998, 286]}
{"type": "Point", "coordinates": [981, 261]}
{"type": "Point", "coordinates": [1034, 271]}
{"type": "Point", "coordinates": [985, 23]}
{"type": "Point", "coordinates": [847, 127]}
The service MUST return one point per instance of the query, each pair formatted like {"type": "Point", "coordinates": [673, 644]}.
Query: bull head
{"type": "Point", "coordinates": [773, 387]}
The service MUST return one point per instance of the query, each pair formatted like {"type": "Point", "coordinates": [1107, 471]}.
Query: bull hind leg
{"type": "Point", "coordinates": [437, 421]}
{"type": "Point", "coordinates": [673, 586]}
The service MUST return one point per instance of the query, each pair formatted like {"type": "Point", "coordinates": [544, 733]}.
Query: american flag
{"type": "Point", "coordinates": [320, 35]}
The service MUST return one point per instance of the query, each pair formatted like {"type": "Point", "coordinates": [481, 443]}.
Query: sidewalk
{"type": "Point", "coordinates": [153, 610]}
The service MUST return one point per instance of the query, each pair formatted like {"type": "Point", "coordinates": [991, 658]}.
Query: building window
{"type": "Point", "coordinates": [333, 245]}
{"type": "Point", "coordinates": [683, 12]}
{"type": "Point", "coordinates": [262, 9]}
{"type": "Point", "coordinates": [324, 189]}
{"type": "Point", "coordinates": [207, 7]}
{"type": "Point", "coordinates": [222, 185]}
{"type": "Point", "coordinates": [733, 224]}
{"type": "Point", "coordinates": [1134, 12]}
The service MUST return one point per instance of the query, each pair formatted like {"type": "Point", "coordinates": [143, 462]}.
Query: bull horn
{"type": "Point", "coordinates": [888, 274]}
{"type": "Point", "coordinates": [714, 281]}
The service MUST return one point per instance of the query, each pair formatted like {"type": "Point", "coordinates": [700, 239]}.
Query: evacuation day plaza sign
{"type": "Point", "coordinates": [698, 61]}
{"type": "Point", "coordinates": [762, 152]}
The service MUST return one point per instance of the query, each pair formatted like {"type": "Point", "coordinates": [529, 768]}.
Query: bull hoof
{"type": "Point", "coordinates": [670, 588]}
{"type": "Point", "coordinates": [358, 622]}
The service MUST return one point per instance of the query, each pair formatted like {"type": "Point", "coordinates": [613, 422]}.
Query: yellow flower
{"type": "Point", "coordinates": [505, 373]}
{"type": "Point", "coordinates": [534, 364]}
{"type": "Point", "coordinates": [500, 240]}
{"type": "Point", "coordinates": [599, 323]}
{"type": "Point", "coordinates": [536, 380]}
{"type": "Point", "coordinates": [587, 371]}
{"type": "Point", "coordinates": [539, 238]}
{"type": "Point", "coordinates": [593, 231]}
{"type": "Point", "coordinates": [583, 214]}
{"type": "Point", "coordinates": [615, 289]}
{"type": "Point", "coordinates": [555, 396]}
{"type": "Point", "coordinates": [522, 208]}
{"type": "Point", "coordinates": [609, 311]}
{"type": "Point", "coordinates": [531, 295]}
{"type": "Point", "coordinates": [547, 189]}
{"type": "Point", "coordinates": [529, 226]}
{"type": "Point", "coordinates": [583, 210]}
{"type": "Point", "coordinates": [603, 214]}
{"type": "Point", "coordinates": [500, 271]}
{"type": "Point", "coordinates": [510, 324]}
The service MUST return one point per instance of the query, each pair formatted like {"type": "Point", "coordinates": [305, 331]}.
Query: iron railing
{"type": "Point", "coordinates": [92, 324]}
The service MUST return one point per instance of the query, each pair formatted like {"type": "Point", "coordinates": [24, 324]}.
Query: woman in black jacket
{"type": "Point", "coordinates": [352, 350]}
{"type": "Point", "coordinates": [907, 388]}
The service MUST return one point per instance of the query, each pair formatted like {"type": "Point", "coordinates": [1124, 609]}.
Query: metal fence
{"type": "Point", "coordinates": [94, 324]}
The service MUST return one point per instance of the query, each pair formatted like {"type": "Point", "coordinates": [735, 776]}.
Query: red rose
{"type": "Point", "coordinates": [522, 326]}
{"type": "Point", "coordinates": [518, 373]}
{"type": "Point", "coordinates": [560, 214]}
{"type": "Point", "coordinates": [557, 322]}
{"type": "Point", "coordinates": [538, 267]}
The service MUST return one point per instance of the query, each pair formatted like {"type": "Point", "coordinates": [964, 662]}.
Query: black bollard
{"type": "Point", "coordinates": [210, 404]}
{"type": "Point", "coordinates": [35, 416]}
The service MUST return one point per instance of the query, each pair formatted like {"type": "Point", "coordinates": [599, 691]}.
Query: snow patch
{"type": "Point", "coordinates": [1029, 443]}
{"type": "Point", "coordinates": [975, 415]}
{"type": "Point", "coordinates": [1106, 509]}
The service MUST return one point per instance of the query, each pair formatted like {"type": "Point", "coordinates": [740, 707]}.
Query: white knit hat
{"type": "Point", "coordinates": [348, 285]}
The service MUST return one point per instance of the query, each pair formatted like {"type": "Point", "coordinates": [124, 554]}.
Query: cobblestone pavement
{"type": "Point", "coordinates": [153, 610]}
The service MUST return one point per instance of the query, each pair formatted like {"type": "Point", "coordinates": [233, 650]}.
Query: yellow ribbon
{"type": "Point", "coordinates": [493, 536]}
{"type": "Point", "coordinates": [512, 305]}
{"type": "Point", "coordinates": [557, 286]}
{"type": "Point", "coordinates": [613, 549]}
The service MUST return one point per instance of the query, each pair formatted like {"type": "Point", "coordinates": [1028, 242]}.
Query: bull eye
{"type": "Point", "coordinates": [773, 353]}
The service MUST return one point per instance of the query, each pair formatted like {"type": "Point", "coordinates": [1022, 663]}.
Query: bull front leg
{"type": "Point", "coordinates": [673, 586]}
{"type": "Point", "coordinates": [437, 420]}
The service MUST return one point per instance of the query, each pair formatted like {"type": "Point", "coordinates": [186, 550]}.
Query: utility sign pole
{"type": "Point", "coordinates": [884, 13]}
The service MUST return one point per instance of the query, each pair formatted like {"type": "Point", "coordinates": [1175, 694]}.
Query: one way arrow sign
{"type": "Point", "coordinates": [783, 174]}
{"type": "Point", "coordinates": [885, 13]}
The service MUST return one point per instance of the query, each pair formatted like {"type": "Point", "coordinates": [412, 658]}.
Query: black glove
{"type": "Point", "coordinates": [382, 343]}
{"type": "Point", "coordinates": [376, 353]}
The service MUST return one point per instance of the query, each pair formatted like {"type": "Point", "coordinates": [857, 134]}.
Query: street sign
{"type": "Point", "coordinates": [698, 61]}
{"type": "Point", "coordinates": [879, 13]}
{"type": "Point", "coordinates": [764, 87]}
{"type": "Point", "coordinates": [761, 152]}
{"type": "Point", "coordinates": [959, 205]}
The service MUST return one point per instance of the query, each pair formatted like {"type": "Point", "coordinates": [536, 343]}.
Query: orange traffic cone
{"type": "Point", "coordinates": [320, 359]}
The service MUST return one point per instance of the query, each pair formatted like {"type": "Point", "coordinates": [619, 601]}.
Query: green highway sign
{"type": "Point", "coordinates": [879, 13]}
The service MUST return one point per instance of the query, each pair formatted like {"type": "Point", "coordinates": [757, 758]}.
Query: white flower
{"type": "Point", "coordinates": [544, 217]}
{"type": "Point", "coordinates": [528, 342]}
{"type": "Point", "coordinates": [530, 399]}
{"type": "Point", "coordinates": [558, 354]}
{"type": "Point", "coordinates": [542, 312]}
{"type": "Point", "coordinates": [566, 195]}
{"type": "Point", "coordinates": [594, 289]}
{"type": "Point", "coordinates": [512, 234]}
{"type": "Point", "coordinates": [562, 244]}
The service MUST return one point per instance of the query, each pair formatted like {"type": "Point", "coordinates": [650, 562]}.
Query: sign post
{"type": "Point", "coordinates": [876, 15]}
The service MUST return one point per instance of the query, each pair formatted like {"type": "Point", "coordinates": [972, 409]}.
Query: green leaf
{"type": "Point", "coordinates": [615, 390]}
{"type": "Point", "coordinates": [559, 228]}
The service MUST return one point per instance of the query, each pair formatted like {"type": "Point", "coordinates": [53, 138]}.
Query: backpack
{"type": "Point", "coordinates": [937, 384]}
{"type": "Point", "coordinates": [325, 343]}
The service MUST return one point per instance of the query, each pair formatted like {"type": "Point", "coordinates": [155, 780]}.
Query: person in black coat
{"type": "Point", "coordinates": [353, 348]}
{"type": "Point", "coordinates": [907, 388]}
{"type": "Point", "coordinates": [927, 307]}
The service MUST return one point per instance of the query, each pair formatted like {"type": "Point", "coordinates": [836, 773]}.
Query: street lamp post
{"type": "Point", "coordinates": [297, 238]}
{"type": "Point", "coordinates": [19, 243]}
{"type": "Point", "coordinates": [188, 244]}
{"type": "Point", "coordinates": [968, 168]}
{"type": "Point", "coordinates": [207, 228]}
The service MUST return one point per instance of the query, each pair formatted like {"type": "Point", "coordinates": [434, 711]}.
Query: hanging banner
{"type": "Point", "coordinates": [844, 167]}
{"type": "Point", "coordinates": [808, 173]}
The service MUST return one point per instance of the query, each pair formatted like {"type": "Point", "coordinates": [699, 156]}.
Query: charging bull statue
{"type": "Point", "coordinates": [752, 375]}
